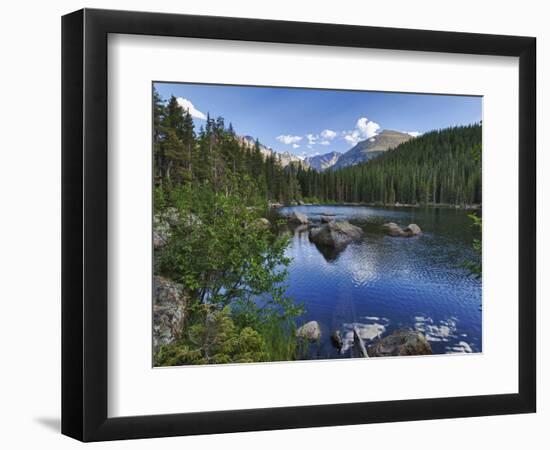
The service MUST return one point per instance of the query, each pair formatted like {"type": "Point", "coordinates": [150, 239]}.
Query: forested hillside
{"type": "Point", "coordinates": [216, 157]}
{"type": "Point", "coordinates": [438, 167]}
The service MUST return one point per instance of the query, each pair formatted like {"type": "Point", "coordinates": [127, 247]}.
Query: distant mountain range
{"type": "Point", "coordinates": [361, 152]}
{"type": "Point", "coordinates": [323, 162]}
{"type": "Point", "coordinates": [284, 158]}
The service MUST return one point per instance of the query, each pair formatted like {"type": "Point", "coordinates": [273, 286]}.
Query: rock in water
{"type": "Point", "coordinates": [393, 229]}
{"type": "Point", "coordinates": [401, 343]}
{"type": "Point", "coordinates": [298, 218]}
{"type": "Point", "coordinates": [337, 340]}
{"type": "Point", "coordinates": [396, 231]}
{"type": "Point", "coordinates": [327, 219]}
{"type": "Point", "coordinates": [169, 303]}
{"type": "Point", "coordinates": [412, 230]}
{"type": "Point", "coordinates": [335, 234]}
{"type": "Point", "coordinates": [310, 331]}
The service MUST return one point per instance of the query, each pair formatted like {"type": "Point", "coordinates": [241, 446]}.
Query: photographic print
{"type": "Point", "coordinates": [295, 224]}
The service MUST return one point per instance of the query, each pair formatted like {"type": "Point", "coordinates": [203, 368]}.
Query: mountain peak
{"type": "Point", "coordinates": [372, 147]}
{"type": "Point", "coordinates": [323, 162]}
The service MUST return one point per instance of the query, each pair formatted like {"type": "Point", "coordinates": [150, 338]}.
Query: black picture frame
{"type": "Point", "coordinates": [84, 224]}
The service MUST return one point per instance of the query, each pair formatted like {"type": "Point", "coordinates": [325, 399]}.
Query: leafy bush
{"type": "Point", "coordinates": [214, 340]}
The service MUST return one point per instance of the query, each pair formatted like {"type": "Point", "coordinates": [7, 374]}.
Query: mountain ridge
{"type": "Point", "coordinates": [371, 148]}
{"type": "Point", "coordinates": [324, 161]}
{"type": "Point", "coordinates": [284, 158]}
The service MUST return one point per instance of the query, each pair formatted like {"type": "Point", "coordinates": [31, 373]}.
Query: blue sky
{"type": "Point", "coordinates": [307, 122]}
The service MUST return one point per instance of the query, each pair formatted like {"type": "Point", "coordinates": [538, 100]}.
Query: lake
{"type": "Point", "coordinates": [380, 283]}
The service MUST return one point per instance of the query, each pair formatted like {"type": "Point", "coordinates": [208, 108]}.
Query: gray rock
{"type": "Point", "coordinates": [335, 234]}
{"type": "Point", "coordinates": [164, 223]}
{"type": "Point", "coordinates": [412, 230]}
{"type": "Point", "coordinates": [298, 218]}
{"type": "Point", "coordinates": [327, 219]}
{"type": "Point", "coordinates": [396, 231]}
{"type": "Point", "coordinates": [310, 331]}
{"type": "Point", "coordinates": [401, 343]}
{"type": "Point", "coordinates": [337, 340]}
{"type": "Point", "coordinates": [262, 222]}
{"type": "Point", "coordinates": [161, 232]}
{"type": "Point", "coordinates": [169, 311]}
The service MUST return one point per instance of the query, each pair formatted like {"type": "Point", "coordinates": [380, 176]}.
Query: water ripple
{"type": "Point", "coordinates": [416, 283]}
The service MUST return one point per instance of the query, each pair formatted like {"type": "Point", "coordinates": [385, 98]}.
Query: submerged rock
{"type": "Point", "coordinates": [298, 218]}
{"type": "Point", "coordinates": [169, 303]}
{"type": "Point", "coordinates": [401, 343]}
{"type": "Point", "coordinates": [310, 331]}
{"type": "Point", "coordinates": [336, 235]}
{"type": "Point", "coordinates": [396, 231]}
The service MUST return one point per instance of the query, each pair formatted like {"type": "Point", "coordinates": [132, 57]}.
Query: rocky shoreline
{"type": "Point", "coordinates": [402, 342]}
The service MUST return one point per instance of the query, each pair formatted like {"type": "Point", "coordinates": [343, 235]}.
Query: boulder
{"type": "Point", "coordinates": [335, 234]}
{"type": "Point", "coordinates": [161, 232]}
{"type": "Point", "coordinates": [169, 311]}
{"type": "Point", "coordinates": [298, 218]}
{"type": "Point", "coordinates": [166, 221]}
{"type": "Point", "coordinates": [393, 229]}
{"type": "Point", "coordinates": [310, 331]}
{"type": "Point", "coordinates": [396, 231]}
{"type": "Point", "coordinates": [263, 223]}
{"type": "Point", "coordinates": [401, 343]}
{"type": "Point", "coordinates": [412, 230]}
{"type": "Point", "coordinates": [327, 219]}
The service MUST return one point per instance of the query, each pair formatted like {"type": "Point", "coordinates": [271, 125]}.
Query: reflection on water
{"type": "Point", "coordinates": [379, 284]}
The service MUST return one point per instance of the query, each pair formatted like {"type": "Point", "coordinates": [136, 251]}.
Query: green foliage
{"type": "Point", "coordinates": [474, 265]}
{"type": "Point", "coordinates": [218, 250]}
{"type": "Point", "coordinates": [434, 168]}
{"type": "Point", "coordinates": [214, 340]}
{"type": "Point", "coordinates": [216, 188]}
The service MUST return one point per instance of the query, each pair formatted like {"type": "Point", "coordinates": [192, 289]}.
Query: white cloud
{"type": "Point", "coordinates": [188, 106]}
{"type": "Point", "coordinates": [328, 134]}
{"type": "Point", "coordinates": [364, 129]}
{"type": "Point", "coordinates": [352, 136]}
{"type": "Point", "coordinates": [295, 145]}
{"type": "Point", "coordinates": [312, 139]}
{"type": "Point", "coordinates": [367, 127]}
{"type": "Point", "coordinates": [413, 133]}
{"type": "Point", "coordinates": [289, 139]}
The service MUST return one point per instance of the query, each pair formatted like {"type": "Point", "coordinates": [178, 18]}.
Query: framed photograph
{"type": "Point", "coordinates": [273, 224]}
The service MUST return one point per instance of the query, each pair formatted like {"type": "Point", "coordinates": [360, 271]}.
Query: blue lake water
{"type": "Point", "coordinates": [380, 283]}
